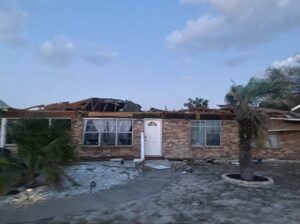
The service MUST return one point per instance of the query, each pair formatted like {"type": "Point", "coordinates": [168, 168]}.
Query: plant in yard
{"type": "Point", "coordinates": [42, 150]}
{"type": "Point", "coordinates": [244, 101]}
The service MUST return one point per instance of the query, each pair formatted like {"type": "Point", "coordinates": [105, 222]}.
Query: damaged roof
{"type": "Point", "coordinates": [92, 105]}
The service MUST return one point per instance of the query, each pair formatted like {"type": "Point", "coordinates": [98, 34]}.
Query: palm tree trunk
{"type": "Point", "coordinates": [245, 160]}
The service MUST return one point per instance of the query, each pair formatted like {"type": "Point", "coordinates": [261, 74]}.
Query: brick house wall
{"type": "Point", "coordinates": [289, 147]}
{"type": "Point", "coordinates": [177, 141]}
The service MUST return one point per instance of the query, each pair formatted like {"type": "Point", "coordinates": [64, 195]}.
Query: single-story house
{"type": "Point", "coordinates": [108, 128]}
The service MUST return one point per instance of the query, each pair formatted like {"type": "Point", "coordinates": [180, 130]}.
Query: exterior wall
{"type": "Point", "coordinates": [289, 147]}
{"type": "Point", "coordinates": [177, 141]}
{"type": "Point", "coordinates": [96, 152]}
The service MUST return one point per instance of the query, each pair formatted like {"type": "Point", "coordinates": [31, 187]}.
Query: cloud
{"type": "Point", "coordinates": [12, 23]}
{"type": "Point", "coordinates": [289, 62]}
{"type": "Point", "coordinates": [237, 24]}
{"type": "Point", "coordinates": [100, 58]}
{"type": "Point", "coordinates": [58, 51]}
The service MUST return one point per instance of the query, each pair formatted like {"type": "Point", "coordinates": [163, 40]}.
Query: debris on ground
{"type": "Point", "coordinates": [90, 176]}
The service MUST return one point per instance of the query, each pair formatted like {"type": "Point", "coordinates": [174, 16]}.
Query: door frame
{"type": "Point", "coordinates": [160, 136]}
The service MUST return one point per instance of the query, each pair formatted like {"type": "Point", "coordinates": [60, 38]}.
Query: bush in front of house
{"type": "Point", "coordinates": [42, 151]}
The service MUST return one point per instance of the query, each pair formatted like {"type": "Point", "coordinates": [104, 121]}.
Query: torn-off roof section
{"type": "Point", "coordinates": [93, 105]}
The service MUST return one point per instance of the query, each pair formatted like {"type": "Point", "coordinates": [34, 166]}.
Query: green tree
{"type": "Point", "coordinates": [196, 103]}
{"type": "Point", "coordinates": [42, 150]}
{"type": "Point", "coordinates": [244, 100]}
{"type": "Point", "coordinates": [285, 85]}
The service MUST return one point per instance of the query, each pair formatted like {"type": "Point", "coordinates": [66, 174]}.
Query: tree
{"type": "Point", "coordinates": [196, 103]}
{"type": "Point", "coordinates": [42, 150]}
{"type": "Point", "coordinates": [244, 100]}
{"type": "Point", "coordinates": [285, 84]}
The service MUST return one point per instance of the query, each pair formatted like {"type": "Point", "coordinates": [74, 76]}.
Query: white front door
{"type": "Point", "coordinates": [153, 137]}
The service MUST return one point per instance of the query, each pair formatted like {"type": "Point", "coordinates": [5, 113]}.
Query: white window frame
{"type": "Point", "coordinates": [205, 134]}
{"type": "Point", "coordinates": [99, 133]}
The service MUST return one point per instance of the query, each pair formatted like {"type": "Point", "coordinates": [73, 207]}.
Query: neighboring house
{"type": "Point", "coordinates": [107, 128]}
{"type": "Point", "coordinates": [3, 107]}
{"type": "Point", "coordinates": [283, 136]}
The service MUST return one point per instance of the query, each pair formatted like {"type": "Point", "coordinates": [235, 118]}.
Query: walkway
{"type": "Point", "coordinates": [145, 185]}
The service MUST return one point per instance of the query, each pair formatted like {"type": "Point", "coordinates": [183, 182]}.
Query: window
{"type": "Point", "coordinates": [9, 127]}
{"type": "Point", "coordinates": [107, 132]}
{"type": "Point", "coordinates": [206, 132]}
{"type": "Point", "coordinates": [60, 123]}
{"type": "Point", "coordinates": [271, 141]}
{"type": "Point", "coordinates": [63, 123]}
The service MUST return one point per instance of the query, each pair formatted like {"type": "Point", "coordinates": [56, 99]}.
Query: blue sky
{"type": "Point", "coordinates": [156, 53]}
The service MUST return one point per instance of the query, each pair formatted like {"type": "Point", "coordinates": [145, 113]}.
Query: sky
{"type": "Point", "coordinates": [156, 53]}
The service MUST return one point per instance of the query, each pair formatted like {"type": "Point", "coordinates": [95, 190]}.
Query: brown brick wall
{"type": "Point", "coordinates": [94, 152]}
{"type": "Point", "coordinates": [289, 147]}
{"type": "Point", "coordinates": [177, 141]}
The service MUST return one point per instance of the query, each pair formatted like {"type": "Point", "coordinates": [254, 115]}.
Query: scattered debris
{"type": "Point", "coordinates": [92, 185]}
{"type": "Point", "coordinates": [257, 161]}
{"type": "Point", "coordinates": [211, 161]}
{"type": "Point", "coordinates": [158, 164]}
{"type": "Point", "coordinates": [189, 170]}
{"type": "Point", "coordinates": [235, 162]}
{"type": "Point", "coordinates": [88, 177]}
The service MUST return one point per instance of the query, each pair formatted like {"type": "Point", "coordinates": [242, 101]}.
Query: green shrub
{"type": "Point", "coordinates": [42, 150]}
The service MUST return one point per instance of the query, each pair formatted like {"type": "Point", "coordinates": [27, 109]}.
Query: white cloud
{"type": "Point", "coordinates": [58, 51]}
{"type": "Point", "coordinates": [12, 22]}
{"type": "Point", "coordinates": [100, 58]}
{"type": "Point", "coordinates": [289, 62]}
{"type": "Point", "coordinates": [238, 24]}
{"type": "Point", "coordinates": [205, 27]}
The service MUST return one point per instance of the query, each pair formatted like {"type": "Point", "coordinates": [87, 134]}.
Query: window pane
{"type": "Point", "coordinates": [91, 139]}
{"type": "Point", "coordinates": [9, 127]}
{"type": "Point", "coordinates": [272, 141]}
{"type": "Point", "coordinates": [198, 123]}
{"type": "Point", "coordinates": [108, 125]}
{"type": "Point", "coordinates": [213, 123]}
{"type": "Point", "coordinates": [210, 123]}
{"type": "Point", "coordinates": [198, 139]}
{"type": "Point", "coordinates": [91, 125]}
{"type": "Point", "coordinates": [124, 126]}
{"type": "Point", "coordinates": [124, 139]}
{"type": "Point", "coordinates": [108, 139]}
{"type": "Point", "coordinates": [61, 123]}
{"type": "Point", "coordinates": [213, 140]}
{"type": "Point", "coordinates": [196, 129]}
{"type": "Point", "coordinates": [11, 123]}
{"type": "Point", "coordinates": [210, 130]}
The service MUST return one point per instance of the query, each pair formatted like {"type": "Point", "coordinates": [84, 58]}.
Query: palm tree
{"type": "Point", "coordinates": [42, 151]}
{"type": "Point", "coordinates": [244, 100]}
